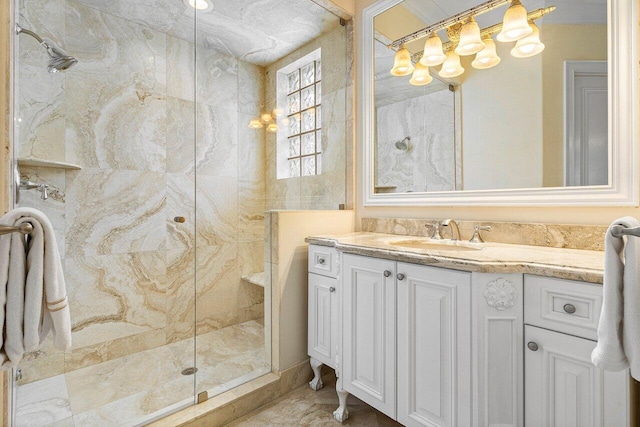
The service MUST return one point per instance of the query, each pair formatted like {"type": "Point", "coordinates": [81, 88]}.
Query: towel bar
{"type": "Point", "coordinates": [620, 230]}
{"type": "Point", "coordinates": [25, 228]}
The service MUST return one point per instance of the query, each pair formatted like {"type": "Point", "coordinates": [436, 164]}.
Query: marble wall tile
{"type": "Point", "coordinates": [251, 89]}
{"type": "Point", "coordinates": [115, 296]}
{"type": "Point", "coordinates": [181, 294]}
{"type": "Point", "coordinates": [158, 14]}
{"type": "Point", "coordinates": [251, 208]}
{"type": "Point", "coordinates": [43, 363]}
{"type": "Point", "coordinates": [217, 207]}
{"type": "Point", "coordinates": [54, 206]}
{"type": "Point", "coordinates": [82, 357]}
{"type": "Point", "coordinates": [41, 130]}
{"type": "Point", "coordinates": [180, 68]}
{"type": "Point", "coordinates": [113, 127]}
{"type": "Point", "coordinates": [115, 49]}
{"type": "Point", "coordinates": [251, 257]}
{"type": "Point", "coordinates": [216, 79]}
{"type": "Point", "coordinates": [45, 17]}
{"type": "Point", "coordinates": [180, 202]}
{"type": "Point", "coordinates": [112, 212]}
{"type": "Point", "coordinates": [42, 403]}
{"type": "Point", "coordinates": [252, 150]}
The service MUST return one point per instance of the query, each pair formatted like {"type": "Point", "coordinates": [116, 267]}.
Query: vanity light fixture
{"type": "Point", "coordinates": [470, 41]}
{"type": "Point", "coordinates": [529, 45]}
{"type": "Point", "coordinates": [487, 57]}
{"type": "Point", "coordinates": [421, 75]}
{"type": "Point", "coordinates": [402, 65]}
{"type": "Point", "coordinates": [433, 54]}
{"type": "Point", "coordinates": [200, 5]}
{"type": "Point", "coordinates": [269, 120]}
{"type": "Point", "coordinates": [466, 38]}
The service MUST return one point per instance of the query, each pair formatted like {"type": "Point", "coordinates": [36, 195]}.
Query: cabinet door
{"type": "Point", "coordinates": [434, 346]}
{"type": "Point", "coordinates": [321, 318]}
{"type": "Point", "coordinates": [563, 388]}
{"type": "Point", "coordinates": [369, 341]}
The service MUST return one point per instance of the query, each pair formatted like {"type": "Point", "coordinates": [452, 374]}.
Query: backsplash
{"type": "Point", "coordinates": [589, 237]}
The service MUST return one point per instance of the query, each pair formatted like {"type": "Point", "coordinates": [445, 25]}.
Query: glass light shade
{"type": "Point", "coordinates": [529, 45]}
{"type": "Point", "coordinates": [272, 127]}
{"type": "Point", "coordinates": [266, 118]}
{"type": "Point", "coordinates": [201, 5]}
{"type": "Point", "coordinates": [402, 65]}
{"type": "Point", "coordinates": [433, 54]}
{"type": "Point", "coordinates": [514, 24]}
{"type": "Point", "coordinates": [470, 40]}
{"type": "Point", "coordinates": [451, 66]}
{"type": "Point", "coordinates": [421, 75]}
{"type": "Point", "coordinates": [255, 124]}
{"type": "Point", "coordinates": [277, 112]}
{"type": "Point", "coordinates": [487, 57]}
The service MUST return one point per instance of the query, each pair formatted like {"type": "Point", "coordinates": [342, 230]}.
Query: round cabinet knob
{"type": "Point", "coordinates": [387, 273]}
{"type": "Point", "coordinates": [532, 346]}
{"type": "Point", "coordinates": [569, 308]}
{"type": "Point", "coordinates": [179, 219]}
{"type": "Point", "coordinates": [400, 276]}
{"type": "Point", "coordinates": [332, 289]}
{"type": "Point", "coordinates": [321, 261]}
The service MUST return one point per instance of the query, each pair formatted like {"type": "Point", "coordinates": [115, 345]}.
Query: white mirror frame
{"type": "Point", "coordinates": [623, 129]}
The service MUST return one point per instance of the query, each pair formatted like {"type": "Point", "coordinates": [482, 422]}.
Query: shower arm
{"type": "Point", "coordinates": [20, 30]}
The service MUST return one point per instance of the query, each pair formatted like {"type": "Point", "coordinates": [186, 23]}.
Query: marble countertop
{"type": "Point", "coordinates": [573, 264]}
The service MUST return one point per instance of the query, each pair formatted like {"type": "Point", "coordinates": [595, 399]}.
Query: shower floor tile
{"type": "Point", "coordinates": [140, 386]}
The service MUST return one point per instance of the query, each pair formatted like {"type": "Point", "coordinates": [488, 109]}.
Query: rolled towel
{"type": "Point", "coordinates": [32, 288]}
{"type": "Point", "coordinates": [619, 326]}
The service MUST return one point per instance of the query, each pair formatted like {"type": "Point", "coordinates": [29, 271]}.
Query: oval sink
{"type": "Point", "coordinates": [444, 246]}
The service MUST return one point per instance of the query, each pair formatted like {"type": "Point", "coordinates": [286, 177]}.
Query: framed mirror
{"type": "Point", "coordinates": [552, 127]}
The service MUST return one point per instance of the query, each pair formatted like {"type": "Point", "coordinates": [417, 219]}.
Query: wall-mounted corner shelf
{"type": "Point", "coordinates": [40, 163]}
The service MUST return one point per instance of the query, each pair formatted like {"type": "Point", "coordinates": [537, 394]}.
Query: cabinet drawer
{"type": "Point", "coordinates": [323, 260]}
{"type": "Point", "coordinates": [563, 305]}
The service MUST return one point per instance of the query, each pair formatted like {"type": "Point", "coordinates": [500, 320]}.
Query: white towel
{"type": "Point", "coordinates": [32, 288]}
{"type": "Point", "coordinates": [619, 327]}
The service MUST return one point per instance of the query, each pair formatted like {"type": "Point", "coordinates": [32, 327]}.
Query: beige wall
{"type": "Point", "coordinates": [558, 215]}
{"type": "Point", "coordinates": [289, 277]}
{"type": "Point", "coordinates": [563, 42]}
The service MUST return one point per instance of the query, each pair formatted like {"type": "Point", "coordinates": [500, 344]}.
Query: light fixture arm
{"type": "Point", "coordinates": [452, 20]}
{"type": "Point", "coordinates": [489, 31]}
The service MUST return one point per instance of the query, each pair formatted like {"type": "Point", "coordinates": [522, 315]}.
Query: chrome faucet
{"type": "Point", "coordinates": [455, 231]}
{"type": "Point", "coordinates": [29, 185]}
{"type": "Point", "coordinates": [436, 230]}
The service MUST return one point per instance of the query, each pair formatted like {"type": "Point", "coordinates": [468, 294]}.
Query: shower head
{"type": "Point", "coordinates": [58, 58]}
{"type": "Point", "coordinates": [404, 144]}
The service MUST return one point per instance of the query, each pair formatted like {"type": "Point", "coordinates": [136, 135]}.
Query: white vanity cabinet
{"type": "Point", "coordinates": [413, 321]}
{"type": "Point", "coordinates": [323, 310]}
{"type": "Point", "coordinates": [434, 346]}
{"type": "Point", "coordinates": [562, 387]}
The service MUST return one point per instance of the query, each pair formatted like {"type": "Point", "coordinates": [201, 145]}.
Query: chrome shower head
{"type": "Point", "coordinates": [404, 144]}
{"type": "Point", "coordinates": [58, 58]}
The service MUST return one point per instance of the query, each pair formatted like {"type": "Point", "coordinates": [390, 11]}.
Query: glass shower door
{"type": "Point", "coordinates": [121, 126]}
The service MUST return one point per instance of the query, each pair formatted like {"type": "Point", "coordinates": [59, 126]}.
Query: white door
{"type": "Point", "coordinates": [434, 346]}
{"type": "Point", "coordinates": [564, 389]}
{"type": "Point", "coordinates": [369, 341]}
{"type": "Point", "coordinates": [321, 317]}
{"type": "Point", "coordinates": [586, 123]}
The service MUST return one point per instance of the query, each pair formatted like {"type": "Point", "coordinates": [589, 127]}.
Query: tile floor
{"type": "Point", "coordinates": [305, 407]}
{"type": "Point", "coordinates": [136, 388]}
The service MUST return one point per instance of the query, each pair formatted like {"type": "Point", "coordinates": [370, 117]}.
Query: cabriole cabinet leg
{"type": "Point", "coordinates": [316, 382]}
{"type": "Point", "coordinates": [342, 413]}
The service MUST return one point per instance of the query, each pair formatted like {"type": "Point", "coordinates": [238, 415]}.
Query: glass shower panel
{"type": "Point", "coordinates": [122, 120]}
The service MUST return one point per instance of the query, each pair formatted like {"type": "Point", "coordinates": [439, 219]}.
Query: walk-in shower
{"type": "Point", "coordinates": [157, 188]}
{"type": "Point", "coordinates": [58, 59]}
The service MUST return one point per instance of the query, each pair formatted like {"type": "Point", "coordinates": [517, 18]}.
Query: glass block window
{"type": "Point", "coordinates": [304, 119]}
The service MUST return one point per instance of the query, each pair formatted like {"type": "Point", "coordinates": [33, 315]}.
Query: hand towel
{"type": "Point", "coordinates": [32, 288]}
{"type": "Point", "coordinates": [619, 326]}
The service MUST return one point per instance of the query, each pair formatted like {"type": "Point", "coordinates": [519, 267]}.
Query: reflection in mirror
{"type": "Point", "coordinates": [525, 122]}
